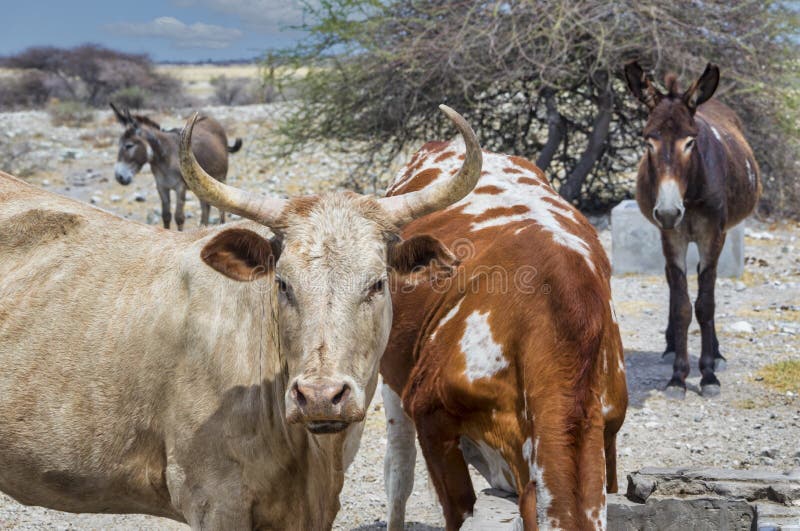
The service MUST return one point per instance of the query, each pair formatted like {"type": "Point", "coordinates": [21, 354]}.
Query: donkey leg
{"type": "Point", "coordinates": [446, 465]}
{"type": "Point", "coordinates": [669, 335]}
{"type": "Point", "coordinates": [674, 245]}
{"type": "Point", "coordinates": [180, 201]}
{"type": "Point", "coordinates": [720, 363]}
{"type": "Point", "coordinates": [205, 209]}
{"type": "Point", "coordinates": [221, 217]}
{"type": "Point", "coordinates": [166, 215]}
{"type": "Point", "coordinates": [710, 247]}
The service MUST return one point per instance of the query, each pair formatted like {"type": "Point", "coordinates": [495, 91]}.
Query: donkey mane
{"type": "Point", "coordinates": [145, 120]}
{"type": "Point", "coordinates": [671, 84]}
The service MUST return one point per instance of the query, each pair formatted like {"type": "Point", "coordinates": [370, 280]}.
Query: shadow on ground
{"type": "Point", "coordinates": [647, 373]}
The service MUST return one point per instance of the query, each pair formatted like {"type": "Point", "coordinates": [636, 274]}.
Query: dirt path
{"type": "Point", "coordinates": [751, 425]}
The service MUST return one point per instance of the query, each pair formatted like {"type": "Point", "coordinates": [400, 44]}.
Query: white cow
{"type": "Point", "coordinates": [219, 377]}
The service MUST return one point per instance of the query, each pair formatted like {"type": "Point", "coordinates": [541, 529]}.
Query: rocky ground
{"type": "Point", "coordinates": [751, 425]}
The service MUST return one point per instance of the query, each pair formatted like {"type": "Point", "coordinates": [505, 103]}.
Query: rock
{"type": "Point", "coordinates": [740, 286]}
{"type": "Point", "coordinates": [636, 245]}
{"type": "Point", "coordinates": [740, 327]}
{"type": "Point", "coordinates": [116, 198]}
{"type": "Point", "coordinates": [698, 514]}
{"type": "Point", "coordinates": [139, 197]}
{"type": "Point", "coordinates": [95, 200]}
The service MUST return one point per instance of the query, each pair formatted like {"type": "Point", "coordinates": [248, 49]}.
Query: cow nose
{"type": "Point", "coordinates": [668, 218]}
{"type": "Point", "coordinates": [320, 395]}
{"type": "Point", "coordinates": [323, 405]}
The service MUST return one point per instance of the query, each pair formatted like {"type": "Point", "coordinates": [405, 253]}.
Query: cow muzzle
{"type": "Point", "coordinates": [323, 405]}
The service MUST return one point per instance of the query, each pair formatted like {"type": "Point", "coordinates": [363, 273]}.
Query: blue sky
{"type": "Point", "coordinates": [186, 30]}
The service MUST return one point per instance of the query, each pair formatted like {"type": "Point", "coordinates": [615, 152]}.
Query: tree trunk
{"type": "Point", "coordinates": [571, 188]}
{"type": "Point", "coordinates": [556, 129]}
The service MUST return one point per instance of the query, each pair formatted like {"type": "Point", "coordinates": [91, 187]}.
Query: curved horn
{"type": "Point", "coordinates": [250, 205]}
{"type": "Point", "coordinates": [403, 209]}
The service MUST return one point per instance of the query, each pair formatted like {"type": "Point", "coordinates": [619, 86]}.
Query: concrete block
{"type": "Point", "coordinates": [636, 246]}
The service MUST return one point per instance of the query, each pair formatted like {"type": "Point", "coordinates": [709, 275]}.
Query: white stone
{"type": "Point", "coordinates": [740, 327]}
{"type": "Point", "coordinates": [636, 246]}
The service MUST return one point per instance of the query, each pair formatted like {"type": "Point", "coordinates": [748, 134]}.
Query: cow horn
{"type": "Point", "coordinates": [250, 205]}
{"type": "Point", "coordinates": [403, 209]}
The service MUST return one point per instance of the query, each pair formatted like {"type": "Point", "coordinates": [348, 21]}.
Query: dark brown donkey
{"type": "Point", "coordinates": [145, 142]}
{"type": "Point", "coordinates": [697, 179]}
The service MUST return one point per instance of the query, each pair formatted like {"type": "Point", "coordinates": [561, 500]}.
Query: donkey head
{"type": "Point", "coordinates": [669, 135]}
{"type": "Point", "coordinates": [134, 145]}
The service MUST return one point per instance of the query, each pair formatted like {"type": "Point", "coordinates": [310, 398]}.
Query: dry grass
{"type": "Point", "coordinates": [782, 376]}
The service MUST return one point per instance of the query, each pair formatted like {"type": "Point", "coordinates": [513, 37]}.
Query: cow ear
{"type": "Point", "coordinates": [421, 257]}
{"type": "Point", "coordinates": [241, 254]}
{"type": "Point", "coordinates": [641, 85]}
{"type": "Point", "coordinates": [121, 117]}
{"type": "Point", "coordinates": [702, 89]}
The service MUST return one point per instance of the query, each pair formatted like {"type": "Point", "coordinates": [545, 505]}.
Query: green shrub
{"type": "Point", "coordinates": [69, 113]}
{"type": "Point", "coordinates": [130, 97]}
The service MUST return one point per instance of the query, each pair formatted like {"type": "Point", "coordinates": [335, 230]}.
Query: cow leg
{"type": "Point", "coordinates": [180, 201]}
{"type": "Point", "coordinates": [205, 209]}
{"type": "Point", "coordinates": [593, 465]}
{"type": "Point", "coordinates": [221, 217]}
{"type": "Point", "coordinates": [166, 215]}
{"type": "Point", "coordinates": [401, 454]}
{"type": "Point", "coordinates": [674, 245]}
{"type": "Point", "coordinates": [527, 507]}
{"type": "Point", "coordinates": [710, 247]}
{"type": "Point", "coordinates": [446, 466]}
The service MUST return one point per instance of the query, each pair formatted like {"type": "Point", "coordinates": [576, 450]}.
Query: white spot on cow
{"type": "Point", "coordinates": [750, 173]}
{"type": "Point", "coordinates": [545, 213]}
{"type": "Point", "coordinates": [484, 356]}
{"type": "Point", "coordinates": [453, 311]}
{"type": "Point", "coordinates": [607, 408]}
{"type": "Point", "coordinates": [716, 133]}
{"type": "Point", "coordinates": [613, 312]}
{"type": "Point", "coordinates": [544, 498]}
{"type": "Point", "coordinates": [597, 517]}
{"type": "Point", "coordinates": [490, 463]}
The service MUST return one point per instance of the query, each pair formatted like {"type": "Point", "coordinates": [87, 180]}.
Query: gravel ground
{"type": "Point", "coordinates": [750, 425]}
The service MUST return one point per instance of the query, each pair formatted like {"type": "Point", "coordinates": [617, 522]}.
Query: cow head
{"type": "Point", "coordinates": [330, 266]}
{"type": "Point", "coordinates": [670, 137]}
{"type": "Point", "coordinates": [134, 148]}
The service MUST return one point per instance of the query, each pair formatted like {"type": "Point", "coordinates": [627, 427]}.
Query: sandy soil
{"type": "Point", "coordinates": [751, 425]}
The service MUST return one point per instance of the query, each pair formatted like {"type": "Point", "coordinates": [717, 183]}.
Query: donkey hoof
{"type": "Point", "coordinates": [668, 358]}
{"type": "Point", "coordinates": [720, 364]}
{"type": "Point", "coordinates": [710, 390]}
{"type": "Point", "coordinates": [675, 392]}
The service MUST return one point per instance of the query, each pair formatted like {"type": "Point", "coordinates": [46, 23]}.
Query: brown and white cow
{"type": "Point", "coordinates": [123, 389]}
{"type": "Point", "coordinates": [514, 364]}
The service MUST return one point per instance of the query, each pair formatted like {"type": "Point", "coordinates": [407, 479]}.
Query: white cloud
{"type": "Point", "coordinates": [181, 35]}
{"type": "Point", "coordinates": [262, 15]}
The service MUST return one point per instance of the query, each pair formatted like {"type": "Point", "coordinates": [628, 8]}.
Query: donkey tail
{"type": "Point", "coordinates": [237, 145]}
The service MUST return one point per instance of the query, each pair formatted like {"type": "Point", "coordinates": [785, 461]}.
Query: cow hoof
{"type": "Point", "coordinates": [675, 392]}
{"type": "Point", "coordinates": [720, 364]}
{"type": "Point", "coordinates": [710, 390]}
{"type": "Point", "coordinates": [668, 358]}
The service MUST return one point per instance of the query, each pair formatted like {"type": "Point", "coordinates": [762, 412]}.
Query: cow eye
{"type": "Point", "coordinates": [376, 288]}
{"type": "Point", "coordinates": [284, 289]}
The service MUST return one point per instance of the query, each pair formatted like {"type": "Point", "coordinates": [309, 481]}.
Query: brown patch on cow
{"type": "Point", "coordinates": [498, 212]}
{"type": "Point", "coordinates": [488, 189]}
{"type": "Point", "coordinates": [420, 181]}
{"type": "Point", "coordinates": [509, 169]}
{"type": "Point", "coordinates": [444, 156]}
{"type": "Point", "coordinates": [302, 206]}
{"type": "Point", "coordinates": [529, 180]}
{"type": "Point", "coordinates": [37, 226]}
{"type": "Point", "coordinates": [434, 146]}
{"type": "Point", "coordinates": [240, 254]}
{"type": "Point", "coordinates": [528, 165]}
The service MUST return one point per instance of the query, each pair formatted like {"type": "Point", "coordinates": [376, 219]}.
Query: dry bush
{"type": "Point", "coordinates": [234, 90]}
{"type": "Point", "coordinates": [69, 113]}
{"type": "Point", "coordinates": [541, 79]}
{"type": "Point", "coordinates": [92, 74]}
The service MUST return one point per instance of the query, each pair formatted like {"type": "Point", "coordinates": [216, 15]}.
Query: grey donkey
{"type": "Point", "coordinates": [144, 141]}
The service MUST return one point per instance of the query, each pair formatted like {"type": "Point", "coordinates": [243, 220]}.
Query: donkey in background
{"type": "Point", "coordinates": [697, 179]}
{"type": "Point", "coordinates": [144, 141]}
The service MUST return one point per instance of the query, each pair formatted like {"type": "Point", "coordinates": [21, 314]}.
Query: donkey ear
{"type": "Point", "coordinates": [702, 89]}
{"type": "Point", "coordinates": [641, 85]}
{"type": "Point", "coordinates": [121, 118]}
